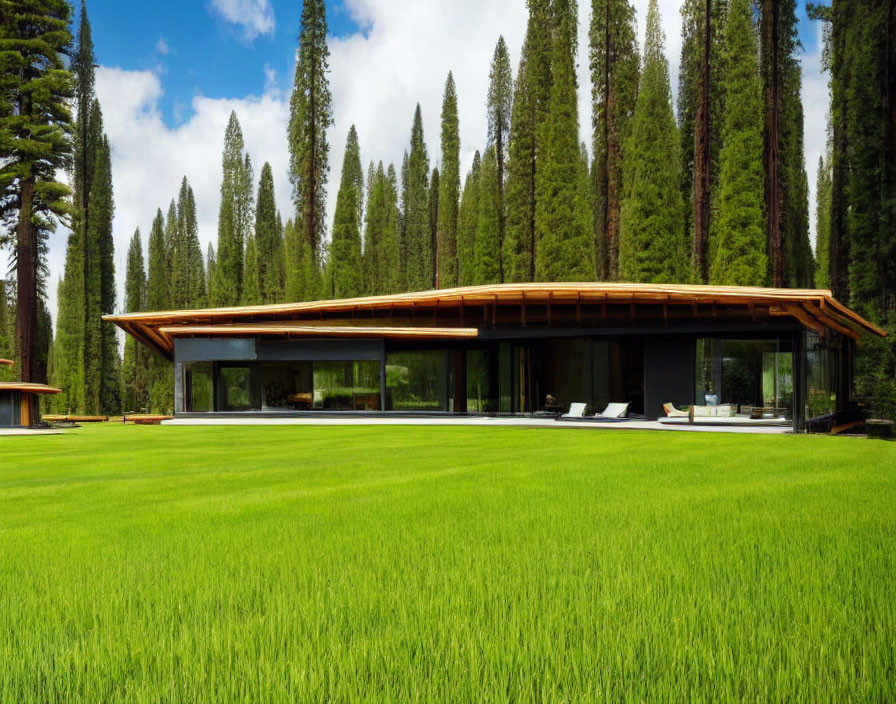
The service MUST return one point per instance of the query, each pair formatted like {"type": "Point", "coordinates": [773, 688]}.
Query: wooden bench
{"type": "Point", "coordinates": [145, 419]}
{"type": "Point", "coordinates": [74, 419]}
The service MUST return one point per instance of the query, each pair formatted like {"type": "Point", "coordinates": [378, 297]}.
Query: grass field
{"type": "Point", "coordinates": [406, 564]}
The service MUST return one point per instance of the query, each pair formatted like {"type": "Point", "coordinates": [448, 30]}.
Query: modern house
{"type": "Point", "coordinates": [18, 401]}
{"type": "Point", "coordinates": [781, 354]}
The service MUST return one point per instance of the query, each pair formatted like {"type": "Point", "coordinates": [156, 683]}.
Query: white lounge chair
{"type": "Point", "coordinates": [614, 410]}
{"type": "Point", "coordinates": [576, 410]}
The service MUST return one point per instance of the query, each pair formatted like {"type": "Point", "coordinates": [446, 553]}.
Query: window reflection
{"type": "Point", "coordinates": [417, 381]}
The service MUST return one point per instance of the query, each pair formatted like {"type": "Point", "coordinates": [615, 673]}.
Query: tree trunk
{"type": "Point", "coordinates": [772, 141]}
{"type": "Point", "coordinates": [702, 156]}
{"type": "Point", "coordinates": [26, 284]}
{"type": "Point", "coordinates": [889, 116]}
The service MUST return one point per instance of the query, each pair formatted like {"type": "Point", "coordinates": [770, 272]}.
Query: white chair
{"type": "Point", "coordinates": [614, 410]}
{"type": "Point", "coordinates": [576, 410]}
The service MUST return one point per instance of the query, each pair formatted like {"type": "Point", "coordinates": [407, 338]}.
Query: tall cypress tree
{"type": "Point", "coordinates": [187, 266]}
{"type": "Point", "coordinates": [417, 253]}
{"type": "Point", "coordinates": [310, 115]}
{"type": "Point", "coordinates": [500, 101]}
{"type": "Point", "coordinates": [433, 203]}
{"type": "Point", "coordinates": [449, 188]}
{"type": "Point", "coordinates": [210, 261]}
{"type": "Point", "coordinates": [102, 361]}
{"type": "Point", "coordinates": [345, 249]}
{"type": "Point", "coordinates": [159, 297]}
{"type": "Point", "coordinates": [381, 265]}
{"type": "Point", "coordinates": [467, 225]}
{"type": "Point", "coordinates": [738, 255]}
{"type": "Point", "coordinates": [652, 247]}
{"type": "Point", "coordinates": [528, 123]}
{"type": "Point", "coordinates": [135, 368]}
{"type": "Point", "coordinates": [7, 334]}
{"type": "Point", "coordinates": [614, 75]}
{"type": "Point", "coordinates": [37, 87]}
{"type": "Point", "coordinates": [487, 244]}
{"type": "Point", "coordinates": [234, 218]}
{"type": "Point", "coordinates": [251, 277]}
{"type": "Point", "coordinates": [269, 239]}
{"type": "Point", "coordinates": [824, 182]}
{"type": "Point", "coordinates": [563, 214]}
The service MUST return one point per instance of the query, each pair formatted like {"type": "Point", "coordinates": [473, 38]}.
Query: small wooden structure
{"type": "Point", "coordinates": [145, 419]}
{"type": "Point", "coordinates": [17, 401]}
{"type": "Point", "coordinates": [65, 418]}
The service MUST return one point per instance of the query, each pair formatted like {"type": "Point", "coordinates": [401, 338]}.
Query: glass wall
{"type": "Point", "coordinates": [745, 377]}
{"type": "Point", "coordinates": [236, 390]}
{"type": "Point", "coordinates": [417, 381]}
{"type": "Point", "coordinates": [288, 386]}
{"type": "Point", "coordinates": [482, 396]}
{"type": "Point", "coordinates": [347, 386]}
{"type": "Point", "coordinates": [199, 396]}
{"type": "Point", "coordinates": [822, 375]}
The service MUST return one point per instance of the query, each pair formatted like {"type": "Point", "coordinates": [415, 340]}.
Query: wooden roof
{"type": "Point", "coordinates": [28, 388]}
{"type": "Point", "coordinates": [815, 309]}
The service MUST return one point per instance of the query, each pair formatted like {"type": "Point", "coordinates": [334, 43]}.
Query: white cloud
{"type": "Point", "coordinates": [377, 77]}
{"type": "Point", "coordinates": [162, 47]}
{"type": "Point", "coordinates": [255, 17]}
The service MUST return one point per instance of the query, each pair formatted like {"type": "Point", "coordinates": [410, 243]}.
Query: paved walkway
{"type": "Point", "coordinates": [486, 422]}
{"type": "Point", "coordinates": [28, 431]}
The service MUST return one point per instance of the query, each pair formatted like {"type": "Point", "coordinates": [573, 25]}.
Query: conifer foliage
{"type": "Point", "coordinates": [449, 188]}
{"type": "Point", "coordinates": [135, 368]}
{"type": "Point", "coordinates": [345, 250]}
{"type": "Point", "coordinates": [417, 243]}
{"type": "Point", "coordinates": [563, 218]}
{"type": "Point", "coordinates": [651, 233]}
{"type": "Point", "coordinates": [738, 255]}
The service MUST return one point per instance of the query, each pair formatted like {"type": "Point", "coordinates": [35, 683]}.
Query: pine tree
{"type": "Point", "coordinates": [786, 199]}
{"type": "Point", "coordinates": [417, 251]}
{"type": "Point", "coordinates": [652, 245]}
{"type": "Point", "coordinates": [449, 185]}
{"type": "Point", "coordinates": [158, 280]}
{"type": "Point", "coordinates": [210, 261]}
{"type": "Point", "coordinates": [823, 224]}
{"type": "Point", "coordinates": [235, 217]}
{"type": "Point", "coordinates": [310, 115]}
{"type": "Point", "coordinates": [614, 74]}
{"type": "Point", "coordinates": [159, 298]}
{"type": "Point", "coordinates": [487, 245]}
{"type": "Point", "coordinates": [135, 368]}
{"type": "Point", "coordinates": [381, 265]}
{"type": "Point", "coordinates": [187, 266]}
{"type": "Point", "coordinates": [36, 88]}
{"type": "Point", "coordinates": [738, 256]}
{"type": "Point", "coordinates": [102, 361]}
{"type": "Point", "coordinates": [251, 277]}
{"type": "Point", "coordinates": [433, 203]}
{"type": "Point", "coordinates": [528, 129]}
{"type": "Point", "coordinates": [564, 244]}
{"type": "Point", "coordinates": [345, 249]}
{"type": "Point", "coordinates": [468, 224]}
{"type": "Point", "coordinates": [293, 289]}
{"type": "Point", "coordinates": [700, 105]}
{"type": "Point", "coordinates": [269, 239]}
{"type": "Point", "coordinates": [500, 101]}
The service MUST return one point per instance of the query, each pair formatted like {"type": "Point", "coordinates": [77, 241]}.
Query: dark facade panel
{"type": "Point", "coordinates": [10, 404]}
{"type": "Point", "coordinates": [215, 349]}
{"type": "Point", "coordinates": [668, 373]}
{"type": "Point", "coordinates": [320, 351]}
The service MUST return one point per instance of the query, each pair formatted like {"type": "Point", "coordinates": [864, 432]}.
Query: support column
{"type": "Point", "coordinates": [460, 381]}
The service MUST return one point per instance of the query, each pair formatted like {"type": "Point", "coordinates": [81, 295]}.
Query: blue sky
{"type": "Point", "coordinates": [206, 53]}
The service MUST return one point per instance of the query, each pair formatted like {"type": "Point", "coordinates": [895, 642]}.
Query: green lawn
{"type": "Point", "coordinates": [289, 564]}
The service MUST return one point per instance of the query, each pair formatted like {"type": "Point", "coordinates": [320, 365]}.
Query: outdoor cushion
{"type": "Point", "coordinates": [673, 412]}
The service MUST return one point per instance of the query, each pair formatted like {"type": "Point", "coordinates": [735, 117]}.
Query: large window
{"type": "Point", "coordinates": [822, 367]}
{"type": "Point", "coordinates": [288, 386]}
{"type": "Point", "coordinates": [482, 394]}
{"type": "Point", "coordinates": [347, 386]}
{"type": "Point", "coordinates": [417, 381]}
{"type": "Point", "coordinates": [235, 389]}
{"type": "Point", "coordinates": [746, 377]}
{"type": "Point", "coordinates": [199, 394]}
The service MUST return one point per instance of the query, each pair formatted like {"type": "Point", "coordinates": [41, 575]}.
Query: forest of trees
{"type": "Point", "coordinates": [711, 189]}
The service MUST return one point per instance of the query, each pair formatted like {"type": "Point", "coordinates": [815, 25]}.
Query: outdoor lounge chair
{"type": "Point", "coordinates": [673, 412]}
{"type": "Point", "coordinates": [613, 411]}
{"type": "Point", "coordinates": [576, 410]}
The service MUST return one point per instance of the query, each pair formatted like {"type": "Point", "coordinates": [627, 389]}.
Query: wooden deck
{"type": "Point", "coordinates": [74, 419]}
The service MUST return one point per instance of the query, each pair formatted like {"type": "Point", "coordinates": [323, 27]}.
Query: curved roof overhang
{"type": "Point", "coordinates": [28, 388]}
{"type": "Point", "coordinates": [814, 309]}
